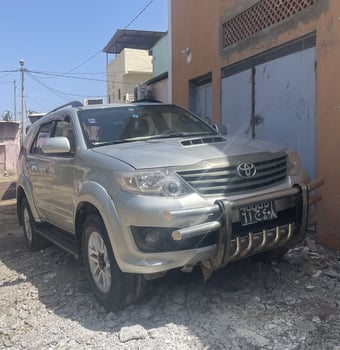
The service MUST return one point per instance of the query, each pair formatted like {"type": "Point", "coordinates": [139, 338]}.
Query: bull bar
{"type": "Point", "coordinates": [231, 248]}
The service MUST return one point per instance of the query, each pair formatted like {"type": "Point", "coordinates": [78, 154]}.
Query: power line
{"type": "Point", "coordinates": [145, 7]}
{"type": "Point", "coordinates": [64, 75]}
{"type": "Point", "coordinates": [59, 94]}
{"type": "Point", "coordinates": [79, 78]}
{"type": "Point", "coordinates": [81, 64]}
{"type": "Point", "coordinates": [98, 52]}
{"type": "Point", "coordinates": [55, 91]}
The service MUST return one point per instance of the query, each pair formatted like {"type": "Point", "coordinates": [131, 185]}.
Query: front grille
{"type": "Point", "coordinates": [224, 180]}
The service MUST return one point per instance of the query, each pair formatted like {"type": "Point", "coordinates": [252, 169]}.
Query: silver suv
{"type": "Point", "coordinates": [135, 190]}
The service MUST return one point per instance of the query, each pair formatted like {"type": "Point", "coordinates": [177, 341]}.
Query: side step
{"type": "Point", "coordinates": [59, 237]}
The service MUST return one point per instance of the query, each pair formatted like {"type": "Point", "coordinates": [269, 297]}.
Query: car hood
{"type": "Point", "coordinates": [171, 152]}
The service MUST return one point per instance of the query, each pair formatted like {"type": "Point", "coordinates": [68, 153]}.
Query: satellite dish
{"type": "Point", "coordinates": [7, 116]}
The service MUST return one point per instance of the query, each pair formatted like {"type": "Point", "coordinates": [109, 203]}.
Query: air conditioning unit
{"type": "Point", "coordinates": [140, 92]}
{"type": "Point", "coordinates": [93, 101]}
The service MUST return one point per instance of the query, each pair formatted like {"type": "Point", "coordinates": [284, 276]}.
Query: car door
{"type": "Point", "coordinates": [36, 168]}
{"type": "Point", "coordinates": [52, 175]}
{"type": "Point", "coordinates": [59, 198]}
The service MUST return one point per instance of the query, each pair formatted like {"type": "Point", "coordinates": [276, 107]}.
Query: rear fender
{"type": "Point", "coordinates": [25, 186]}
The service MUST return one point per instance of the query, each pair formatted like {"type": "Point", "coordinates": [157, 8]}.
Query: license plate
{"type": "Point", "coordinates": [257, 212]}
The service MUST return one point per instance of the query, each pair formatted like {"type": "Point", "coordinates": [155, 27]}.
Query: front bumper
{"type": "Point", "coordinates": [231, 245]}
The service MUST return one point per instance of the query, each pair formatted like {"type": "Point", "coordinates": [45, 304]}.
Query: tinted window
{"type": "Point", "coordinates": [131, 123]}
{"type": "Point", "coordinates": [65, 128]}
{"type": "Point", "coordinates": [44, 132]}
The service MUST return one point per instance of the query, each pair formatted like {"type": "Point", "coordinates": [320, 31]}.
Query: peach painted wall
{"type": "Point", "coordinates": [197, 24]}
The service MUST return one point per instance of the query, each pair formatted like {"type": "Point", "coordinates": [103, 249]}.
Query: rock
{"type": "Point", "coordinates": [235, 309]}
{"type": "Point", "coordinates": [317, 274]}
{"type": "Point", "coordinates": [310, 287]}
{"type": "Point", "coordinates": [252, 337]}
{"type": "Point", "coordinates": [134, 332]}
{"type": "Point", "coordinates": [332, 273]}
{"type": "Point", "coordinates": [316, 319]}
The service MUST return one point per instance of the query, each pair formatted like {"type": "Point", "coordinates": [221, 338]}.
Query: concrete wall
{"type": "Point", "coordinates": [160, 54]}
{"type": "Point", "coordinates": [159, 90]}
{"type": "Point", "coordinates": [197, 24]}
{"type": "Point", "coordinates": [124, 72]}
{"type": "Point", "coordinates": [9, 145]}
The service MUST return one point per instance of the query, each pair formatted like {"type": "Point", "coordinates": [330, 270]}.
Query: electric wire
{"type": "Point", "coordinates": [60, 94]}
{"type": "Point", "coordinates": [56, 92]}
{"type": "Point", "coordinates": [99, 51]}
{"type": "Point", "coordinates": [145, 7]}
{"type": "Point", "coordinates": [80, 78]}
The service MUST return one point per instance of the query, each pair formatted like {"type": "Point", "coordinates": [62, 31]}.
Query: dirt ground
{"type": "Point", "coordinates": [45, 302]}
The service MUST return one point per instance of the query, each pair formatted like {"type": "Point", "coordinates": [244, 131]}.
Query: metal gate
{"type": "Point", "coordinates": [272, 97]}
{"type": "Point", "coordinates": [204, 101]}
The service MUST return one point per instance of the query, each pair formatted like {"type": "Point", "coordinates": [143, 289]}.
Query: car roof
{"type": "Point", "coordinates": [78, 106]}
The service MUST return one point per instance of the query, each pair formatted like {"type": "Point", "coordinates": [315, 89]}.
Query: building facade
{"type": "Point", "coordinates": [132, 64]}
{"type": "Point", "coordinates": [130, 68]}
{"type": "Point", "coordinates": [267, 69]}
{"type": "Point", "coordinates": [158, 87]}
{"type": "Point", "coordinates": [9, 146]}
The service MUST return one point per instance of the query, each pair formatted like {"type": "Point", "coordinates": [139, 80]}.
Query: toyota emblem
{"type": "Point", "coordinates": [246, 170]}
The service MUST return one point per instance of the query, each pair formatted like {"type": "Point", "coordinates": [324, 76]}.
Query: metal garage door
{"type": "Point", "coordinates": [203, 106]}
{"type": "Point", "coordinates": [272, 97]}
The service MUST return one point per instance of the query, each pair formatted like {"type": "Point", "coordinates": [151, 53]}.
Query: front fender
{"type": "Point", "coordinates": [96, 195]}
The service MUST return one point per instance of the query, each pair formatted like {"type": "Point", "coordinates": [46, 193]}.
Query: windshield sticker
{"type": "Point", "coordinates": [92, 121]}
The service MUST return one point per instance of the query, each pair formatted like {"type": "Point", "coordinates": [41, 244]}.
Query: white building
{"type": "Point", "coordinates": [132, 64]}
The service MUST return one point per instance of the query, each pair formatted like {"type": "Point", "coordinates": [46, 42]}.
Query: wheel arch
{"type": "Point", "coordinates": [84, 209]}
{"type": "Point", "coordinates": [21, 193]}
{"type": "Point", "coordinates": [94, 199]}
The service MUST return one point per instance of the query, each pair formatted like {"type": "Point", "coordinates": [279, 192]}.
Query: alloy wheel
{"type": "Point", "coordinates": [27, 225]}
{"type": "Point", "coordinates": [99, 262]}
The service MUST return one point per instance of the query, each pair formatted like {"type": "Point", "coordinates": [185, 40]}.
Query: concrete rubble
{"type": "Point", "coordinates": [293, 303]}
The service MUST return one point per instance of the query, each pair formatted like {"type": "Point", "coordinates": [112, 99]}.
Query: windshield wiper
{"type": "Point", "coordinates": [106, 143]}
{"type": "Point", "coordinates": [177, 134]}
{"type": "Point", "coordinates": [170, 135]}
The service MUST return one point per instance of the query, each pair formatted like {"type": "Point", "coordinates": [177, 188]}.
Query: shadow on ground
{"type": "Point", "coordinates": [244, 293]}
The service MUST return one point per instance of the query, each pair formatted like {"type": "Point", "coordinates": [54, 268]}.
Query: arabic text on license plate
{"type": "Point", "coordinates": [258, 212]}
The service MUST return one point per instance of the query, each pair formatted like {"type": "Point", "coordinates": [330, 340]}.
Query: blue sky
{"type": "Point", "coordinates": [55, 36]}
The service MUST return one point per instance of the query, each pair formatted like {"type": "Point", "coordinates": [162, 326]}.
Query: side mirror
{"type": "Point", "coordinates": [56, 145]}
{"type": "Point", "coordinates": [221, 129]}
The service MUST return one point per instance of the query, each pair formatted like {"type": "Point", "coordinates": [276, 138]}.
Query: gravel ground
{"type": "Point", "coordinates": [46, 303]}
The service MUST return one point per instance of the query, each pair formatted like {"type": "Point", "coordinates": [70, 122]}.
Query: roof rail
{"type": "Point", "coordinates": [71, 104]}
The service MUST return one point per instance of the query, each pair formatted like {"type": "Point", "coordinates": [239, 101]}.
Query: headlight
{"type": "Point", "coordinates": [161, 182]}
{"type": "Point", "coordinates": [293, 162]}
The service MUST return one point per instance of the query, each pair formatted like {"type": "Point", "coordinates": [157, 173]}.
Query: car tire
{"type": "Point", "coordinates": [34, 240]}
{"type": "Point", "coordinates": [113, 288]}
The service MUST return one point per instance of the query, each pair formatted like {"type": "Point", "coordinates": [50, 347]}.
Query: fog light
{"type": "Point", "coordinates": [152, 238]}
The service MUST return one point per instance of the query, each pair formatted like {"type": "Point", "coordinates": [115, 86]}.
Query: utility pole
{"type": "Point", "coordinates": [15, 100]}
{"type": "Point", "coordinates": [23, 113]}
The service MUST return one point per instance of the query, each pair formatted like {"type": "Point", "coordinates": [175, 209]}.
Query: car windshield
{"type": "Point", "coordinates": [104, 126]}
